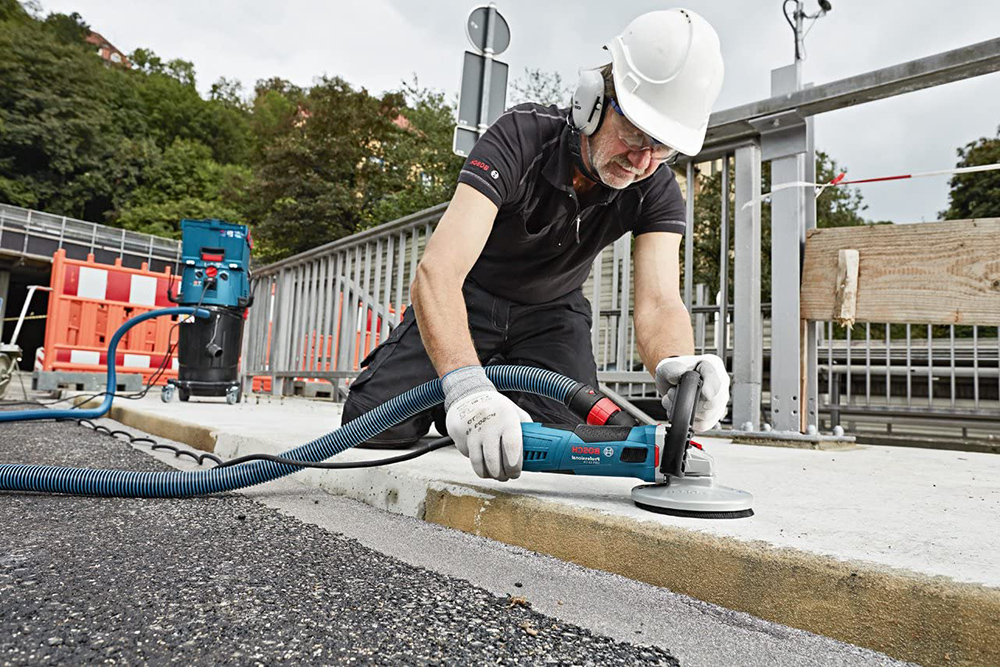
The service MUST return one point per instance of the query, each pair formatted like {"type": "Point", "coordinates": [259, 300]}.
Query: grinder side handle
{"type": "Point", "coordinates": [681, 421]}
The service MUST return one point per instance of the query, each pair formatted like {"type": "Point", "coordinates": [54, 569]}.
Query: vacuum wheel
{"type": "Point", "coordinates": [233, 395]}
{"type": "Point", "coordinates": [167, 393]}
{"type": "Point", "coordinates": [184, 394]}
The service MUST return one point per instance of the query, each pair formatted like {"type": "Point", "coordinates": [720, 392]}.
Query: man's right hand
{"type": "Point", "coordinates": [485, 424]}
{"type": "Point", "coordinates": [486, 427]}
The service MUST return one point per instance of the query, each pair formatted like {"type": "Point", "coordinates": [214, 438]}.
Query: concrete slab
{"type": "Point", "coordinates": [890, 548]}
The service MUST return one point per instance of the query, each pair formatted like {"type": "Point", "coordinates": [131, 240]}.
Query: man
{"type": "Point", "coordinates": [543, 191]}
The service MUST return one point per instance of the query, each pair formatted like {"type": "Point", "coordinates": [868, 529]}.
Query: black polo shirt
{"type": "Point", "coordinates": [543, 241]}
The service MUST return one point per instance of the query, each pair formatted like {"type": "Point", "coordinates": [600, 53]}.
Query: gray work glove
{"type": "Point", "coordinates": [485, 424]}
{"type": "Point", "coordinates": [712, 403]}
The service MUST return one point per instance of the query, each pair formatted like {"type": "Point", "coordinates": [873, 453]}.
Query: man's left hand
{"type": "Point", "coordinates": [712, 403]}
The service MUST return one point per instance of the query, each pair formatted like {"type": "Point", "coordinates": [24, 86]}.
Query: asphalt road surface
{"type": "Point", "coordinates": [287, 574]}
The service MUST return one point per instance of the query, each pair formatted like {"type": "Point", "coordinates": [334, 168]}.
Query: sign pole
{"type": "Point", "coordinates": [484, 107]}
{"type": "Point", "coordinates": [484, 78]}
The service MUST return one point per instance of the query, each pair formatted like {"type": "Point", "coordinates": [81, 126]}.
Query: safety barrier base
{"type": "Point", "coordinates": [77, 381]}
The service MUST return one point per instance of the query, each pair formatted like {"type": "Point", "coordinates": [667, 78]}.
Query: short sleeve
{"type": "Point", "coordinates": [663, 207]}
{"type": "Point", "coordinates": [497, 162]}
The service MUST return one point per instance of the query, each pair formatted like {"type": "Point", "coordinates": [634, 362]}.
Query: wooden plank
{"type": "Point", "coordinates": [927, 273]}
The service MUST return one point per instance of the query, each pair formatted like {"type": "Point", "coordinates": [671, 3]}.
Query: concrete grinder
{"type": "Point", "coordinates": [612, 444]}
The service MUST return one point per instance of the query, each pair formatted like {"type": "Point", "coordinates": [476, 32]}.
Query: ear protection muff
{"type": "Point", "coordinates": [588, 102]}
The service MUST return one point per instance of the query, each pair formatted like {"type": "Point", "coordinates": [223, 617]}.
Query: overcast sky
{"type": "Point", "coordinates": [378, 43]}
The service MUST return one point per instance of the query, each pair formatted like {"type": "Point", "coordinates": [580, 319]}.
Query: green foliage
{"type": "Point", "coordinates": [334, 160]}
{"type": "Point", "coordinates": [11, 10]}
{"type": "Point", "coordinates": [975, 195]}
{"type": "Point", "coordinates": [69, 29]}
{"type": "Point", "coordinates": [59, 121]}
{"type": "Point", "coordinates": [836, 207]}
{"type": "Point", "coordinates": [83, 139]}
{"type": "Point", "coordinates": [140, 148]}
{"type": "Point", "coordinates": [423, 169]}
{"type": "Point", "coordinates": [183, 182]}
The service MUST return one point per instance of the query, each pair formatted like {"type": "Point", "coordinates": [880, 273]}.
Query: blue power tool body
{"type": "Point", "coordinates": [610, 451]}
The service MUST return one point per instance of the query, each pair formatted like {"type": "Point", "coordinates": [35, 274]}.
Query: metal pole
{"type": "Point", "coordinates": [810, 379]}
{"type": "Point", "coordinates": [282, 331]}
{"type": "Point", "coordinates": [484, 104]}
{"type": "Point", "coordinates": [787, 222]}
{"type": "Point", "coordinates": [723, 329]}
{"type": "Point", "coordinates": [799, 15]}
{"type": "Point", "coordinates": [689, 237]}
{"type": "Point", "coordinates": [4, 291]}
{"type": "Point", "coordinates": [748, 349]}
{"type": "Point", "coordinates": [24, 310]}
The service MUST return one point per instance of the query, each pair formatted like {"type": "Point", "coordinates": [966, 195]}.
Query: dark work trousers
{"type": "Point", "coordinates": [553, 335]}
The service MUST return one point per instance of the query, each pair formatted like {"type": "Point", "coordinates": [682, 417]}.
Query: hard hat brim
{"type": "Point", "coordinates": [640, 113]}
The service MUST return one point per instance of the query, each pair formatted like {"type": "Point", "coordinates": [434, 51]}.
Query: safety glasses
{"type": "Point", "coordinates": [636, 140]}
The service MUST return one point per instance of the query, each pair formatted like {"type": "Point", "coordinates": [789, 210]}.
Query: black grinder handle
{"type": "Point", "coordinates": [681, 421]}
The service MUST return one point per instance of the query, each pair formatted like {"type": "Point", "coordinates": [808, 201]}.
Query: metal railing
{"type": "Point", "coordinates": [38, 235]}
{"type": "Point", "coordinates": [318, 314]}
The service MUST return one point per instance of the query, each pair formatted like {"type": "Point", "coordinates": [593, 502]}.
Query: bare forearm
{"type": "Point", "coordinates": [663, 331]}
{"type": "Point", "coordinates": [443, 321]}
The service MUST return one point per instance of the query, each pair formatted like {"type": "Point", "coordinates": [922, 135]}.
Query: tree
{"type": "Point", "coordinates": [975, 195]}
{"type": "Point", "coordinates": [183, 182]}
{"type": "Point", "coordinates": [68, 28]}
{"type": "Point", "coordinates": [541, 87]}
{"type": "Point", "coordinates": [12, 10]}
{"type": "Point", "coordinates": [335, 160]}
{"type": "Point", "coordinates": [140, 148]}
{"type": "Point", "coordinates": [59, 119]}
{"type": "Point", "coordinates": [422, 170]}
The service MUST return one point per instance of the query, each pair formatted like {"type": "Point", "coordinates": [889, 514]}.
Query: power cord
{"type": "Point", "coordinates": [200, 458]}
{"type": "Point", "coordinates": [178, 452]}
{"type": "Point", "coordinates": [420, 451]}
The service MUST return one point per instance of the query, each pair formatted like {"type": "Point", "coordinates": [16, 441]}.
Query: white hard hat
{"type": "Point", "coordinates": [667, 68]}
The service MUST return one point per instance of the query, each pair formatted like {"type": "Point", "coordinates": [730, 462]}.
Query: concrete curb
{"type": "Point", "coordinates": [902, 614]}
{"type": "Point", "coordinates": [907, 615]}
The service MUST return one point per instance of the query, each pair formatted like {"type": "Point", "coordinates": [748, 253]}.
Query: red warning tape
{"type": "Point", "coordinates": [839, 180]}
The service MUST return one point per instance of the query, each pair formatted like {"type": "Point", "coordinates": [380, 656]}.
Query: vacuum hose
{"type": "Point", "coordinates": [124, 484]}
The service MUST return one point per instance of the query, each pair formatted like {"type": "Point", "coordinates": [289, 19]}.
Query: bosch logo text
{"type": "Point", "coordinates": [481, 165]}
{"type": "Point", "coordinates": [586, 450]}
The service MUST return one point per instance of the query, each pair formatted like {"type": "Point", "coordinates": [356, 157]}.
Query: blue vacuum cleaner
{"type": "Point", "coordinates": [216, 278]}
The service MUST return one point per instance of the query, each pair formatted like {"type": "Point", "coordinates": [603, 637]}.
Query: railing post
{"type": "Point", "coordinates": [281, 350]}
{"type": "Point", "coordinates": [810, 373]}
{"type": "Point", "coordinates": [689, 236]}
{"type": "Point", "coordinates": [783, 141]}
{"type": "Point", "coordinates": [748, 348]}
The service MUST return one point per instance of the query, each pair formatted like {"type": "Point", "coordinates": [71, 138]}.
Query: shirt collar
{"type": "Point", "coordinates": [558, 170]}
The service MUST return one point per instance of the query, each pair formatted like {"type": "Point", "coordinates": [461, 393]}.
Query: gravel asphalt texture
{"type": "Point", "coordinates": [227, 580]}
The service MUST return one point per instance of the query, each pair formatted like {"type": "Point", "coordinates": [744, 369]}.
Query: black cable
{"type": "Point", "coordinates": [784, 10]}
{"type": "Point", "coordinates": [178, 452]}
{"type": "Point", "coordinates": [429, 447]}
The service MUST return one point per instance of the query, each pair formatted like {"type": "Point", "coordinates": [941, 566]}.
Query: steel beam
{"type": "Point", "coordinates": [962, 63]}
